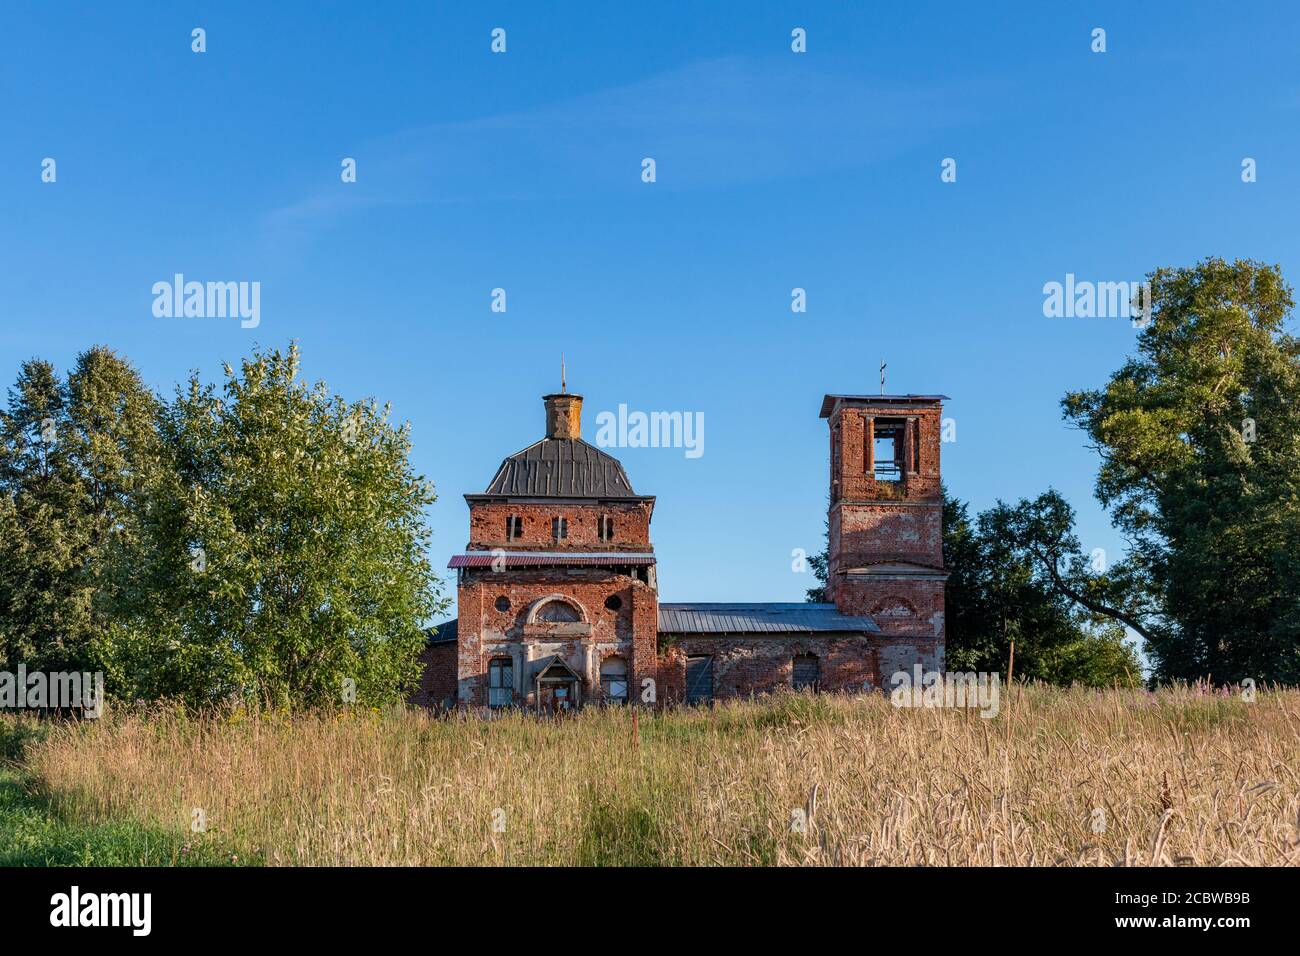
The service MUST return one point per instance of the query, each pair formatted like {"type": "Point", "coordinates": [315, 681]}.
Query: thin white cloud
{"type": "Point", "coordinates": [709, 124]}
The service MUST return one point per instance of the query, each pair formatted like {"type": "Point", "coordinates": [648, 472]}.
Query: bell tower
{"type": "Point", "coordinates": [886, 520]}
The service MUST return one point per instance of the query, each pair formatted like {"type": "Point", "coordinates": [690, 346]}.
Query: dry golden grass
{"type": "Point", "coordinates": [1179, 777]}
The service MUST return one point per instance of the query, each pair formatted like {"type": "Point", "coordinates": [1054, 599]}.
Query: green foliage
{"type": "Point", "coordinates": [282, 549]}
{"type": "Point", "coordinates": [265, 541]}
{"type": "Point", "coordinates": [621, 832]}
{"type": "Point", "coordinates": [72, 454]}
{"type": "Point", "coordinates": [998, 593]}
{"type": "Point", "coordinates": [1200, 468]}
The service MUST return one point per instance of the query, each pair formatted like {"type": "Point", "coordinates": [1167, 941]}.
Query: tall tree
{"type": "Point", "coordinates": [72, 454]}
{"type": "Point", "coordinates": [998, 593]}
{"type": "Point", "coordinates": [1028, 578]}
{"type": "Point", "coordinates": [282, 555]}
{"type": "Point", "coordinates": [1200, 468]}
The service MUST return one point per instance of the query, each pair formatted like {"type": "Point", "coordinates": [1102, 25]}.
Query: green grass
{"type": "Point", "coordinates": [777, 713]}
{"type": "Point", "coordinates": [621, 834]}
{"type": "Point", "coordinates": [34, 833]}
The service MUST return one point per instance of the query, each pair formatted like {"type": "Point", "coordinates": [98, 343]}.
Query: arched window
{"type": "Point", "coordinates": [613, 679]}
{"type": "Point", "coordinates": [807, 672]}
{"type": "Point", "coordinates": [501, 682]}
{"type": "Point", "coordinates": [558, 612]}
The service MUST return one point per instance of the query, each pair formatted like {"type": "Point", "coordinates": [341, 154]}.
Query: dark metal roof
{"type": "Point", "coordinates": [561, 468]}
{"type": "Point", "coordinates": [443, 633]}
{"type": "Point", "coordinates": [828, 402]}
{"type": "Point", "coordinates": [524, 559]}
{"type": "Point", "coordinates": [758, 619]}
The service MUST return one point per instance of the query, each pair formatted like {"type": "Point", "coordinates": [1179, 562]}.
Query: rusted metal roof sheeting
{"type": "Point", "coordinates": [526, 559]}
{"type": "Point", "coordinates": [758, 619]}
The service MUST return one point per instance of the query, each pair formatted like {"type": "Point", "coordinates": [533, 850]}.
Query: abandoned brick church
{"type": "Point", "coordinates": [558, 601]}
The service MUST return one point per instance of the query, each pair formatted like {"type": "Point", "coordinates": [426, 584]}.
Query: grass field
{"type": "Point", "coordinates": [32, 833]}
{"type": "Point", "coordinates": [1078, 777]}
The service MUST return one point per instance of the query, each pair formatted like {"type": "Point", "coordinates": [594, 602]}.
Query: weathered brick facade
{"type": "Point", "coordinates": [630, 522]}
{"type": "Point", "coordinates": [499, 618]}
{"type": "Point", "coordinates": [557, 587]}
{"type": "Point", "coordinates": [750, 664]}
{"type": "Point", "coordinates": [438, 682]}
{"type": "Point", "coordinates": [886, 520]}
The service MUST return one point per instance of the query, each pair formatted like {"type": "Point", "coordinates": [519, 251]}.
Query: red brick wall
{"type": "Point", "coordinates": [438, 683]}
{"type": "Point", "coordinates": [874, 522]}
{"type": "Point", "coordinates": [487, 526]}
{"type": "Point", "coordinates": [899, 605]}
{"type": "Point", "coordinates": [853, 479]}
{"type": "Point", "coordinates": [754, 665]}
{"type": "Point", "coordinates": [485, 632]}
{"type": "Point", "coordinates": [645, 645]}
{"type": "Point", "coordinates": [889, 531]}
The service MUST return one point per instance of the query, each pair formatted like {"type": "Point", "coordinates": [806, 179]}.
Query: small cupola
{"type": "Point", "coordinates": [563, 415]}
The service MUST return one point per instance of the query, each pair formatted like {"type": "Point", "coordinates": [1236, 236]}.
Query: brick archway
{"type": "Point", "coordinates": [536, 607]}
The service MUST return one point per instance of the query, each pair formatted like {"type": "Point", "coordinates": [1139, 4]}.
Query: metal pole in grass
{"type": "Point", "coordinates": [1006, 757]}
{"type": "Point", "coordinates": [1011, 676]}
{"type": "Point", "coordinates": [636, 734]}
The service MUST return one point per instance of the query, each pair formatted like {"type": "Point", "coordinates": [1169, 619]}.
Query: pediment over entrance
{"type": "Point", "coordinates": [896, 569]}
{"type": "Point", "coordinates": [554, 668]}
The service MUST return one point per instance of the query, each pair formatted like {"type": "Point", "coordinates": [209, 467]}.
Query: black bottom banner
{"type": "Point", "coordinates": [335, 905]}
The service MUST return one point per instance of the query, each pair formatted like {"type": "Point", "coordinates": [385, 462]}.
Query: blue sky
{"type": "Point", "coordinates": [521, 171]}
